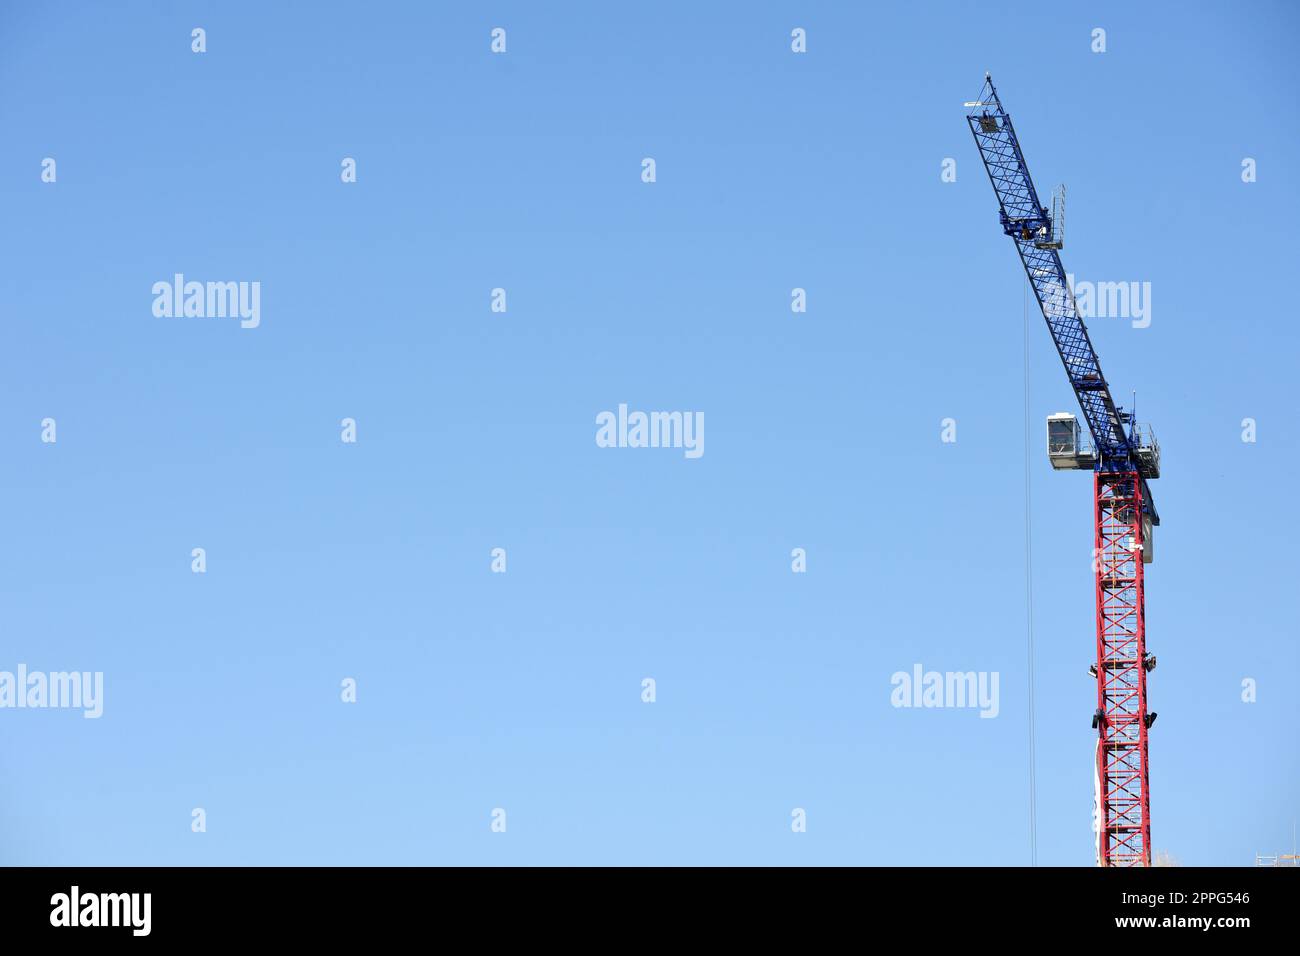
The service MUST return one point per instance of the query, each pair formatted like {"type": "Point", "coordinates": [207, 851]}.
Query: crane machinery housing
{"type": "Point", "coordinates": [1123, 457]}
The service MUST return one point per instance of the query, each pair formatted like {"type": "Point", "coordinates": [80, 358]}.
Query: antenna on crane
{"type": "Point", "coordinates": [1056, 237]}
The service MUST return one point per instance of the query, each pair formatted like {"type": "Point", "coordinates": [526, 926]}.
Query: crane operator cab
{"type": "Point", "coordinates": [1066, 447]}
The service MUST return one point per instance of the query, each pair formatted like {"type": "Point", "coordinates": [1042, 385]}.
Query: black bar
{"type": "Point", "coordinates": [335, 905]}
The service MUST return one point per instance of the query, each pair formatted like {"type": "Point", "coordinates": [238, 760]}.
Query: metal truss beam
{"type": "Point", "coordinates": [1124, 812]}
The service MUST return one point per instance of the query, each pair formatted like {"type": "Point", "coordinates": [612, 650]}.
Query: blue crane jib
{"type": "Point", "coordinates": [1120, 444]}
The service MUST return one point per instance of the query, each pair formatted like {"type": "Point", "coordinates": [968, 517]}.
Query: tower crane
{"type": "Point", "coordinates": [1123, 457]}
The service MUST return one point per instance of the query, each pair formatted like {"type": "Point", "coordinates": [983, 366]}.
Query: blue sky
{"type": "Point", "coordinates": [476, 429]}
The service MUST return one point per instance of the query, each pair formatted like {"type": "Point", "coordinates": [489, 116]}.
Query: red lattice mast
{"type": "Point", "coordinates": [1124, 810]}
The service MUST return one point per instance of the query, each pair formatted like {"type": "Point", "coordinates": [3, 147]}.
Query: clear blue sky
{"type": "Point", "coordinates": [476, 430]}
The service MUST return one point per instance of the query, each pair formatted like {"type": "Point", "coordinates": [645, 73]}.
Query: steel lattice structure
{"type": "Point", "coordinates": [1124, 511]}
{"type": "Point", "coordinates": [1124, 819]}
